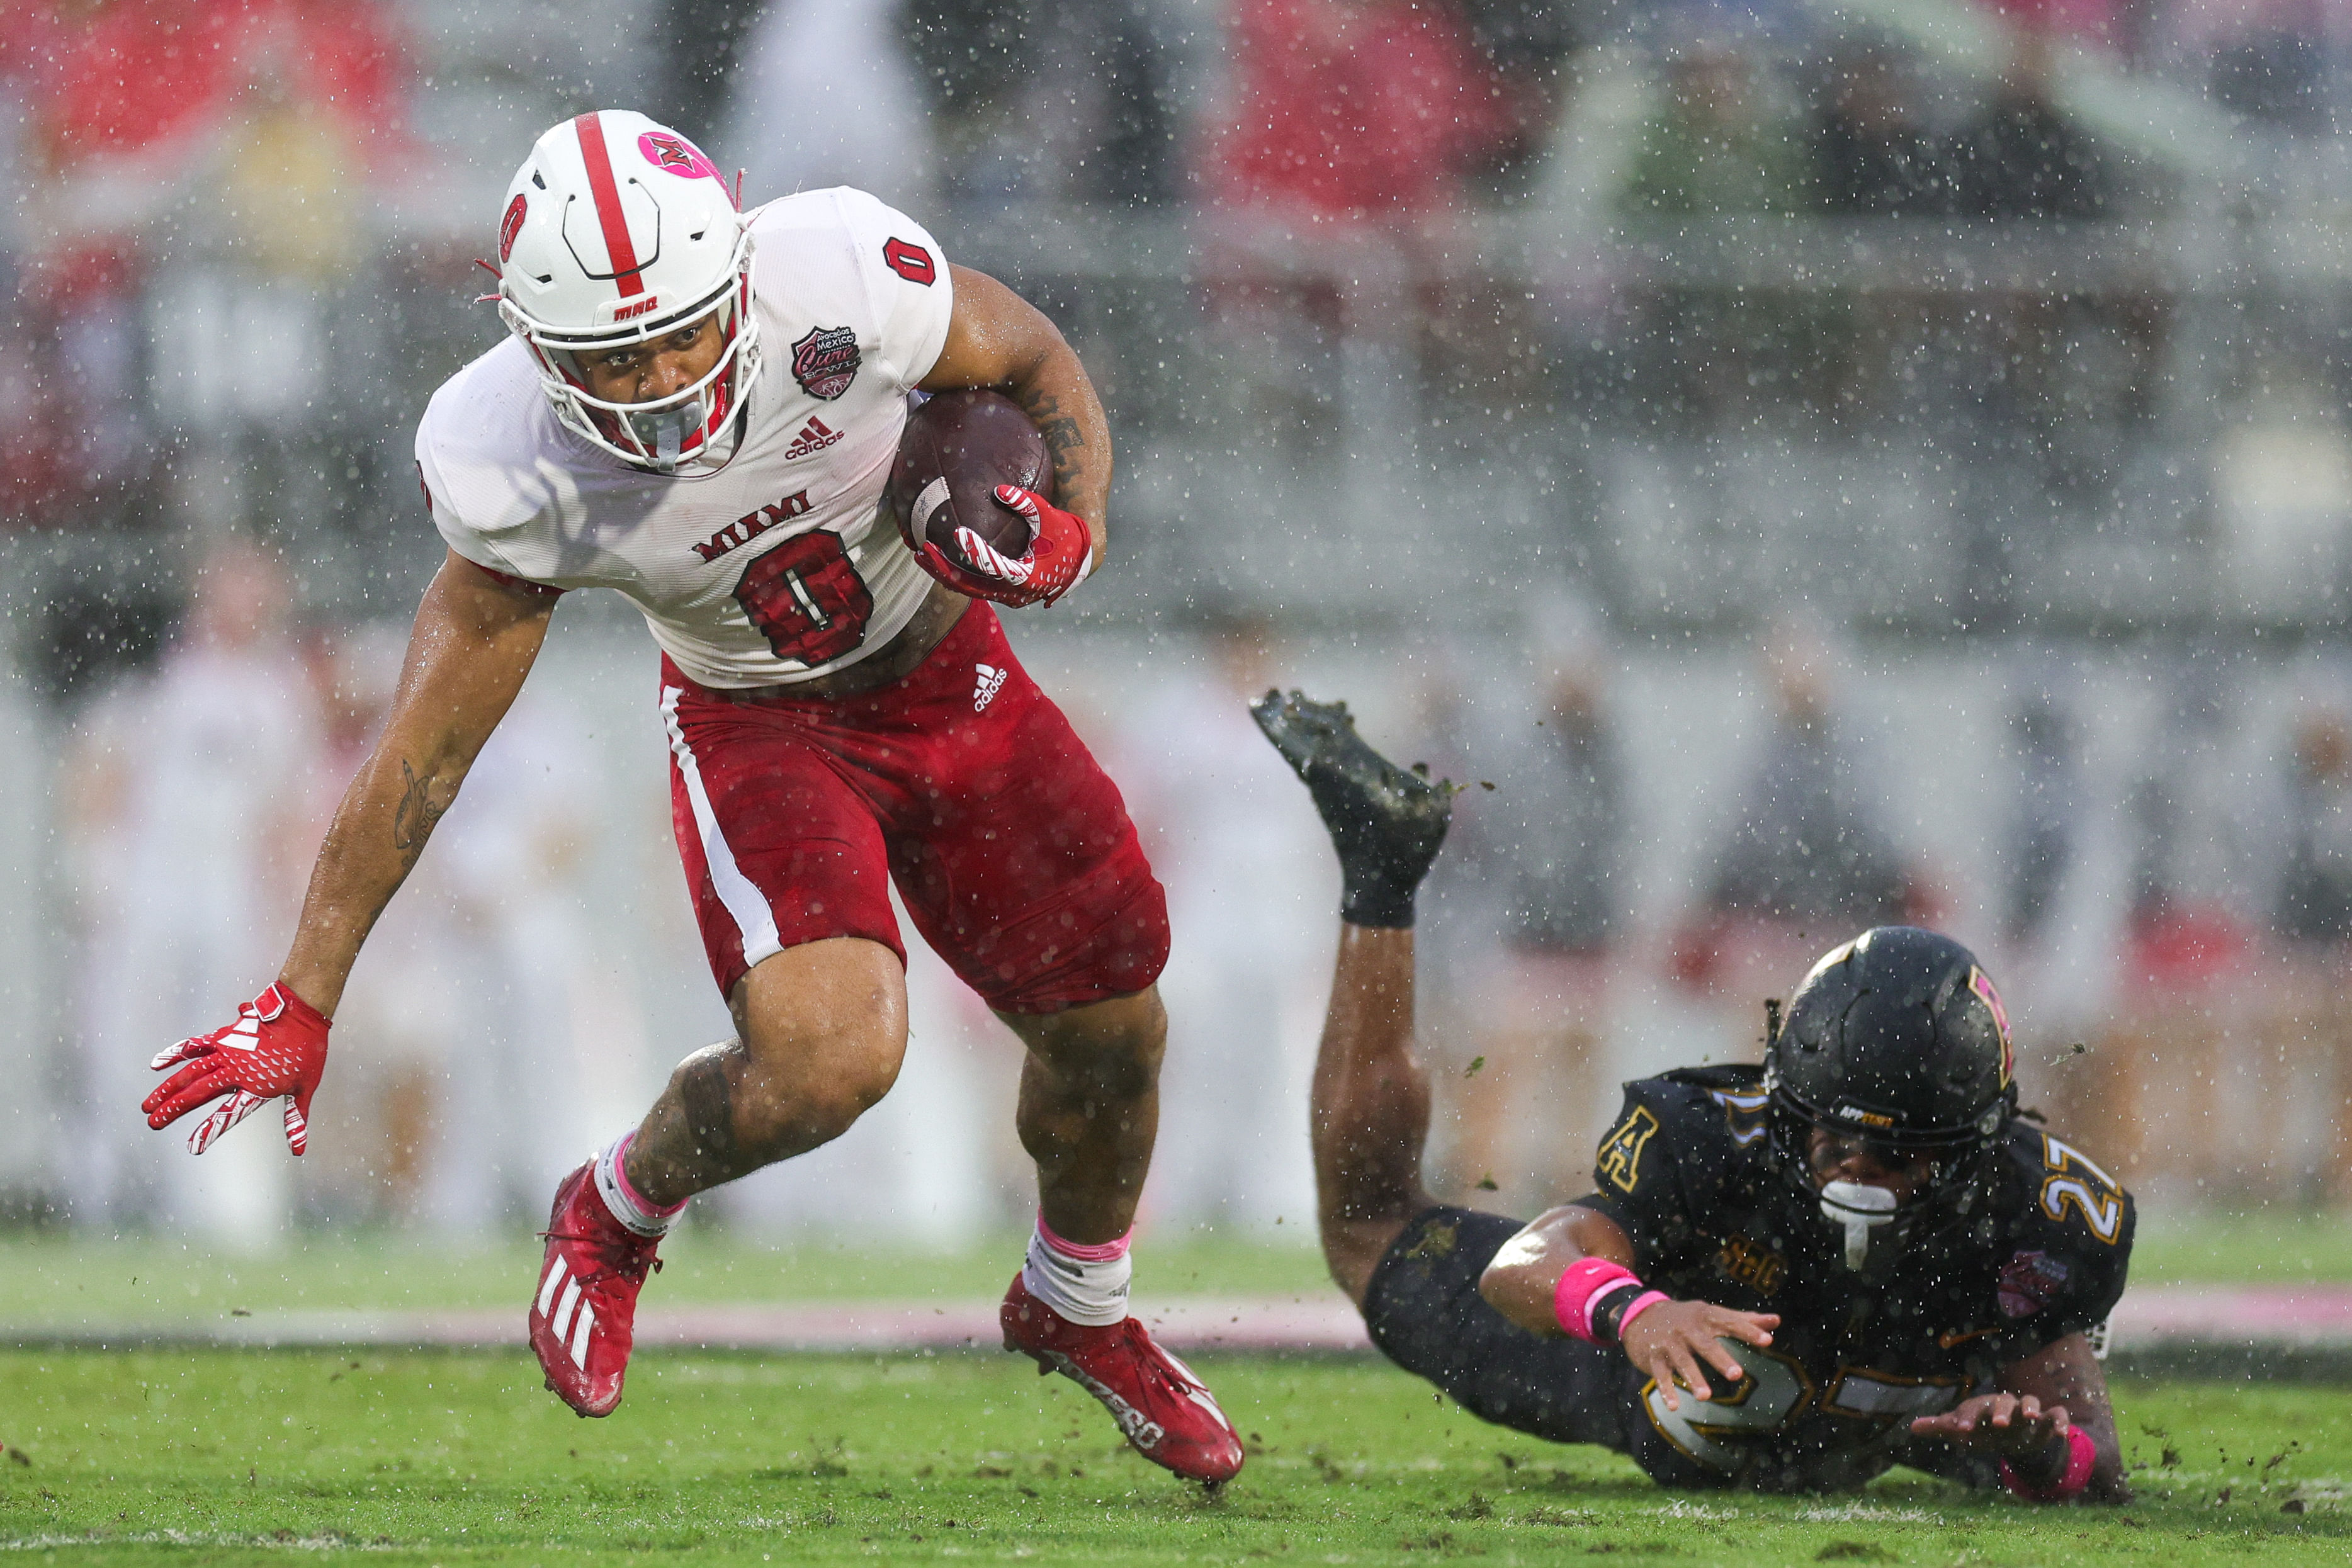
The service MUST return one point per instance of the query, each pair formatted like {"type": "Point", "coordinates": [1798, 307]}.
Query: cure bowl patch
{"type": "Point", "coordinates": [2026, 1282]}
{"type": "Point", "coordinates": [826, 362]}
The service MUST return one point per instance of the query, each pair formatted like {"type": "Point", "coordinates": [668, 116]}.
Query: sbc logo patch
{"type": "Point", "coordinates": [1621, 1151]}
{"type": "Point", "coordinates": [1752, 1264]}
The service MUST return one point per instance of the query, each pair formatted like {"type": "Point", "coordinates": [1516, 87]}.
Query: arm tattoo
{"type": "Point", "coordinates": [413, 818]}
{"type": "Point", "coordinates": [1062, 437]}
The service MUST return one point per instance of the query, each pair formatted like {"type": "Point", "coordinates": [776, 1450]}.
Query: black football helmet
{"type": "Point", "coordinates": [1896, 1038]}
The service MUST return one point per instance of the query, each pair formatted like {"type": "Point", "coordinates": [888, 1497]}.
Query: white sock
{"type": "Point", "coordinates": [633, 1211]}
{"type": "Point", "coordinates": [1085, 1284]}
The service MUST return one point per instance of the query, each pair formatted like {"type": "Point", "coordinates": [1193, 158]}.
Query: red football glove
{"type": "Point", "coordinates": [1061, 553]}
{"type": "Point", "coordinates": [278, 1046]}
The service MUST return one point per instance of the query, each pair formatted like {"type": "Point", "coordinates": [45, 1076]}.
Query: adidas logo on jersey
{"type": "Point", "coordinates": [814, 437]}
{"type": "Point", "coordinates": [988, 680]}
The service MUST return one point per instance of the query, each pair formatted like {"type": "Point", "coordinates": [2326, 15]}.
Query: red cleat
{"type": "Point", "coordinates": [1166, 1412]}
{"type": "Point", "coordinates": [582, 1319]}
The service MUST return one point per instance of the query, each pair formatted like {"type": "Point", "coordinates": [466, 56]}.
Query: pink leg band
{"type": "Point", "coordinates": [1085, 1251]}
{"type": "Point", "coordinates": [1572, 1298]}
{"type": "Point", "coordinates": [2081, 1455]}
{"type": "Point", "coordinates": [621, 1174]}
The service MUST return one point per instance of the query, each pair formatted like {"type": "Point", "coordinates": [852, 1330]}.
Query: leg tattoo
{"type": "Point", "coordinates": [687, 1144]}
{"type": "Point", "coordinates": [708, 1102]}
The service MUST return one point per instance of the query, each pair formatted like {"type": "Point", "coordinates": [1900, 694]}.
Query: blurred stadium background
{"type": "Point", "coordinates": [1821, 463]}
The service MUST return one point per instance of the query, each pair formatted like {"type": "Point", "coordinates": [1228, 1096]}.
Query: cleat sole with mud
{"type": "Point", "coordinates": [1383, 818]}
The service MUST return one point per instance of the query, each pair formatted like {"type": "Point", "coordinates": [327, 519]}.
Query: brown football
{"type": "Point", "coordinates": [956, 449]}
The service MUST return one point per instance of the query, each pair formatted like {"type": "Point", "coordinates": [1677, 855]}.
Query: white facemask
{"type": "Point", "coordinates": [1861, 1209]}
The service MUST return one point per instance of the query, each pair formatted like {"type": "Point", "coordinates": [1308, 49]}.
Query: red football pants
{"type": "Point", "coordinates": [962, 782]}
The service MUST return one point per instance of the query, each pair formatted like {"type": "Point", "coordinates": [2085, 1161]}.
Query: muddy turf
{"type": "Point", "coordinates": [229, 1456]}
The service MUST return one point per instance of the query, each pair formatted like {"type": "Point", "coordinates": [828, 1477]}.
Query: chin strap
{"type": "Point", "coordinates": [1861, 1209]}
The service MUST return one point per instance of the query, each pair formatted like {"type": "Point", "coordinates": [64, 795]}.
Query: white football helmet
{"type": "Point", "coordinates": [617, 230]}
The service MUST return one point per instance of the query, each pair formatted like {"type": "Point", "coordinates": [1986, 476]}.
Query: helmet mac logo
{"type": "Point", "coordinates": [676, 155]}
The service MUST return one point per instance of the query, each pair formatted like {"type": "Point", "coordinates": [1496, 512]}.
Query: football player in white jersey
{"type": "Point", "coordinates": [698, 407]}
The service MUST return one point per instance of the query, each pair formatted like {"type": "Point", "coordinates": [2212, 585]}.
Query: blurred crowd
{"type": "Point", "coordinates": [1689, 420]}
{"type": "Point", "coordinates": [230, 209]}
{"type": "Point", "coordinates": [2153, 857]}
{"type": "Point", "coordinates": [191, 798]}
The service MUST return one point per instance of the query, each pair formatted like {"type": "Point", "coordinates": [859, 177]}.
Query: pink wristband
{"type": "Point", "coordinates": [2080, 1454]}
{"type": "Point", "coordinates": [1640, 1303]}
{"type": "Point", "coordinates": [1571, 1299]}
{"type": "Point", "coordinates": [1585, 1290]}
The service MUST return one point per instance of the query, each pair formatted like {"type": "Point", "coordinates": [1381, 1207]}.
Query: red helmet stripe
{"type": "Point", "coordinates": [607, 193]}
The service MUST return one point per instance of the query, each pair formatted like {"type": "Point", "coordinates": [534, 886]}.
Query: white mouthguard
{"type": "Point", "coordinates": [1861, 1209]}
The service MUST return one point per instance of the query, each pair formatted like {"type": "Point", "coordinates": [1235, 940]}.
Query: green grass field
{"type": "Point", "coordinates": [63, 1284]}
{"type": "Point", "coordinates": [58, 1283]}
{"type": "Point", "coordinates": [225, 1457]}
{"type": "Point", "coordinates": [220, 1456]}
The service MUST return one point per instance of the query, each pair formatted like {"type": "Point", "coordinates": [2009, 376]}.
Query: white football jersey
{"type": "Point", "coordinates": [778, 566]}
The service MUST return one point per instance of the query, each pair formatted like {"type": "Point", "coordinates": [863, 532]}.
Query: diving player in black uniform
{"type": "Point", "coordinates": [1788, 1278]}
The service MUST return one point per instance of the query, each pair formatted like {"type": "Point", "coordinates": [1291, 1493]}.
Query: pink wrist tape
{"type": "Point", "coordinates": [1589, 1283]}
{"type": "Point", "coordinates": [1084, 1251]}
{"type": "Point", "coordinates": [2080, 1454]}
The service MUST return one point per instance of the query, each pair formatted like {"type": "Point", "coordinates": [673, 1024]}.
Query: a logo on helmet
{"type": "Point", "coordinates": [511, 225]}
{"type": "Point", "coordinates": [676, 155]}
{"type": "Point", "coordinates": [826, 362]}
{"type": "Point", "coordinates": [1981, 984]}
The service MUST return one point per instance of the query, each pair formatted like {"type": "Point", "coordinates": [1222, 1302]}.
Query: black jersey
{"type": "Point", "coordinates": [1684, 1172]}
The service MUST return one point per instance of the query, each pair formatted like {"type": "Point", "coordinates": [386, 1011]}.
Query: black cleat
{"type": "Point", "coordinates": [1387, 822]}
